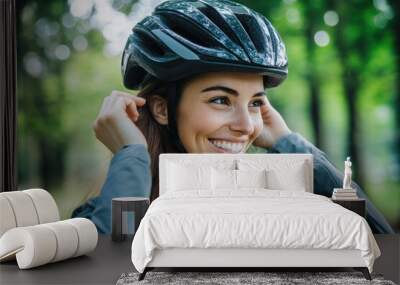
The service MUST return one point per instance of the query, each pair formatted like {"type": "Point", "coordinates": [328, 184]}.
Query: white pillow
{"type": "Point", "coordinates": [182, 177]}
{"type": "Point", "coordinates": [282, 174]}
{"type": "Point", "coordinates": [224, 179]}
{"type": "Point", "coordinates": [251, 178]}
{"type": "Point", "coordinates": [228, 179]}
{"type": "Point", "coordinates": [278, 180]}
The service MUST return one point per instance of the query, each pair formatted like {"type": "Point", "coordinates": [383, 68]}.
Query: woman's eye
{"type": "Point", "coordinates": [257, 103]}
{"type": "Point", "coordinates": [225, 101]}
{"type": "Point", "coordinates": [220, 100]}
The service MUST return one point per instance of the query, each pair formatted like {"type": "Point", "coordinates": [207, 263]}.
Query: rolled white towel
{"type": "Point", "coordinates": [7, 218]}
{"type": "Point", "coordinates": [66, 237]}
{"type": "Point", "coordinates": [32, 246]}
{"type": "Point", "coordinates": [26, 208]}
{"type": "Point", "coordinates": [46, 207]}
{"type": "Point", "coordinates": [87, 235]}
{"type": "Point", "coordinates": [23, 208]}
{"type": "Point", "coordinates": [40, 244]}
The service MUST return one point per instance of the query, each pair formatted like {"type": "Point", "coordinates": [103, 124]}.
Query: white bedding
{"type": "Point", "coordinates": [251, 218]}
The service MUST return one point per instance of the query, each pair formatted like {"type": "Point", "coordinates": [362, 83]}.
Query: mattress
{"type": "Point", "coordinates": [250, 218]}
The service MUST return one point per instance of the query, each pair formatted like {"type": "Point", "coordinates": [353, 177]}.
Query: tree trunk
{"type": "Point", "coordinates": [310, 18]}
{"type": "Point", "coordinates": [351, 88]}
{"type": "Point", "coordinates": [52, 162]}
{"type": "Point", "coordinates": [351, 84]}
{"type": "Point", "coordinates": [396, 32]}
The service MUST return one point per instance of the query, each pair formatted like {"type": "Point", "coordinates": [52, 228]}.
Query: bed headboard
{"type": "Point", "coordinates": [287, 165]}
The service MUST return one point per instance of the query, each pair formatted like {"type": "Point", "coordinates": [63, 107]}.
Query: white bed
{"type": "Point", "coordinates": [283, 224]}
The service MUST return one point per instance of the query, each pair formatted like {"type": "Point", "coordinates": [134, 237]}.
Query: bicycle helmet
{"type": "Point", "coordinates": [187, 37]}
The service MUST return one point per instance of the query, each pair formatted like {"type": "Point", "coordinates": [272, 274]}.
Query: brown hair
{"type": "Point", "coordinates": [158, 136]}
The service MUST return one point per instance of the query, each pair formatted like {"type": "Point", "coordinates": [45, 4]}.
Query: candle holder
{"type": "Point", "coordinates": [127, 212]}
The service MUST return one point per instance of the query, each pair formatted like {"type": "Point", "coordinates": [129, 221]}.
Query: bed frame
{"type": "Point", "coordinates": [240, 259]}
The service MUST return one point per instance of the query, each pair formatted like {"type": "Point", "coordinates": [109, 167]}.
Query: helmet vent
{"type": "Point", "coordinates": [192, 33]}
{"type": "Point", "coordinates": [220, 22]}
{"type": "Point", "coordinates": [252, 28]}
{"type": "Point", "coordinates": [149, 44]}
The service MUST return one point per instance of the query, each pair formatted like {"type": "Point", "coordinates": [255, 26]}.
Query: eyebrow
{"type": "Point", "coordinates": [229, 90]}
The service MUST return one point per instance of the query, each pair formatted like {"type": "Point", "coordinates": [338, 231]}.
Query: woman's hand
{"type": "Point", "coordinates": [114, 125]}
{"type": "Point", "coordinates": [274, 126]}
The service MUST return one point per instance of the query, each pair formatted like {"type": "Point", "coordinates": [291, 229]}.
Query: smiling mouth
{"type": "Point", "coordinates": [226, 146]}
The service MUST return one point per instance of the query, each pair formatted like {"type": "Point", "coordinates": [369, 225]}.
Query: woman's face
{"type": "Point", "coordinates": [220, 112]}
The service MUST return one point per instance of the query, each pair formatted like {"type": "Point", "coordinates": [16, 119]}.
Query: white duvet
{"type": "Point", "coordinates": [251, 218]}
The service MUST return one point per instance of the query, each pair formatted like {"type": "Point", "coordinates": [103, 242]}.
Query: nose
{"type": "Point", "coordinates": [242, 122]}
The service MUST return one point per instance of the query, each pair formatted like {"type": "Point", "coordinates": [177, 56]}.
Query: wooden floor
{"type": "Point", "coordinates": [389, 262]}
{"type": "Point", "coordinates": [106, 264]}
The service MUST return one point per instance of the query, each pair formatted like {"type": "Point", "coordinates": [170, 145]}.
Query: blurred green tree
{"type": "Point", "coordinates": [40, 111]}
{"type": "Point", "coordinates": [311, 11]}
{"type": "Point", "coordinates": [395, 27]}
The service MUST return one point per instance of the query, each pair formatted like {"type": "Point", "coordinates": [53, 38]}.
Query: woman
{"type": "Point", "coordinates": [202, 68]}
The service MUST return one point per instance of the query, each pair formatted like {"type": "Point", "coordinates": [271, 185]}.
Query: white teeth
{"type": "Point", "coordinates": [232, 147]}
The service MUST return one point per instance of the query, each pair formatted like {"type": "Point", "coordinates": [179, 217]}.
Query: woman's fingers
{"type": "Point", "coordinates": [266, 110]}
{"type": "Point", "coordinates": [114, 125]}
{"type": "Point", "coordinates": [125, 102]}
{"type": "Point", "coordinates": [138, 100]}
{"type": "Point", "coordinates": [124, 107]}
{"type": "Point", "coordinates": [131, 109]}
